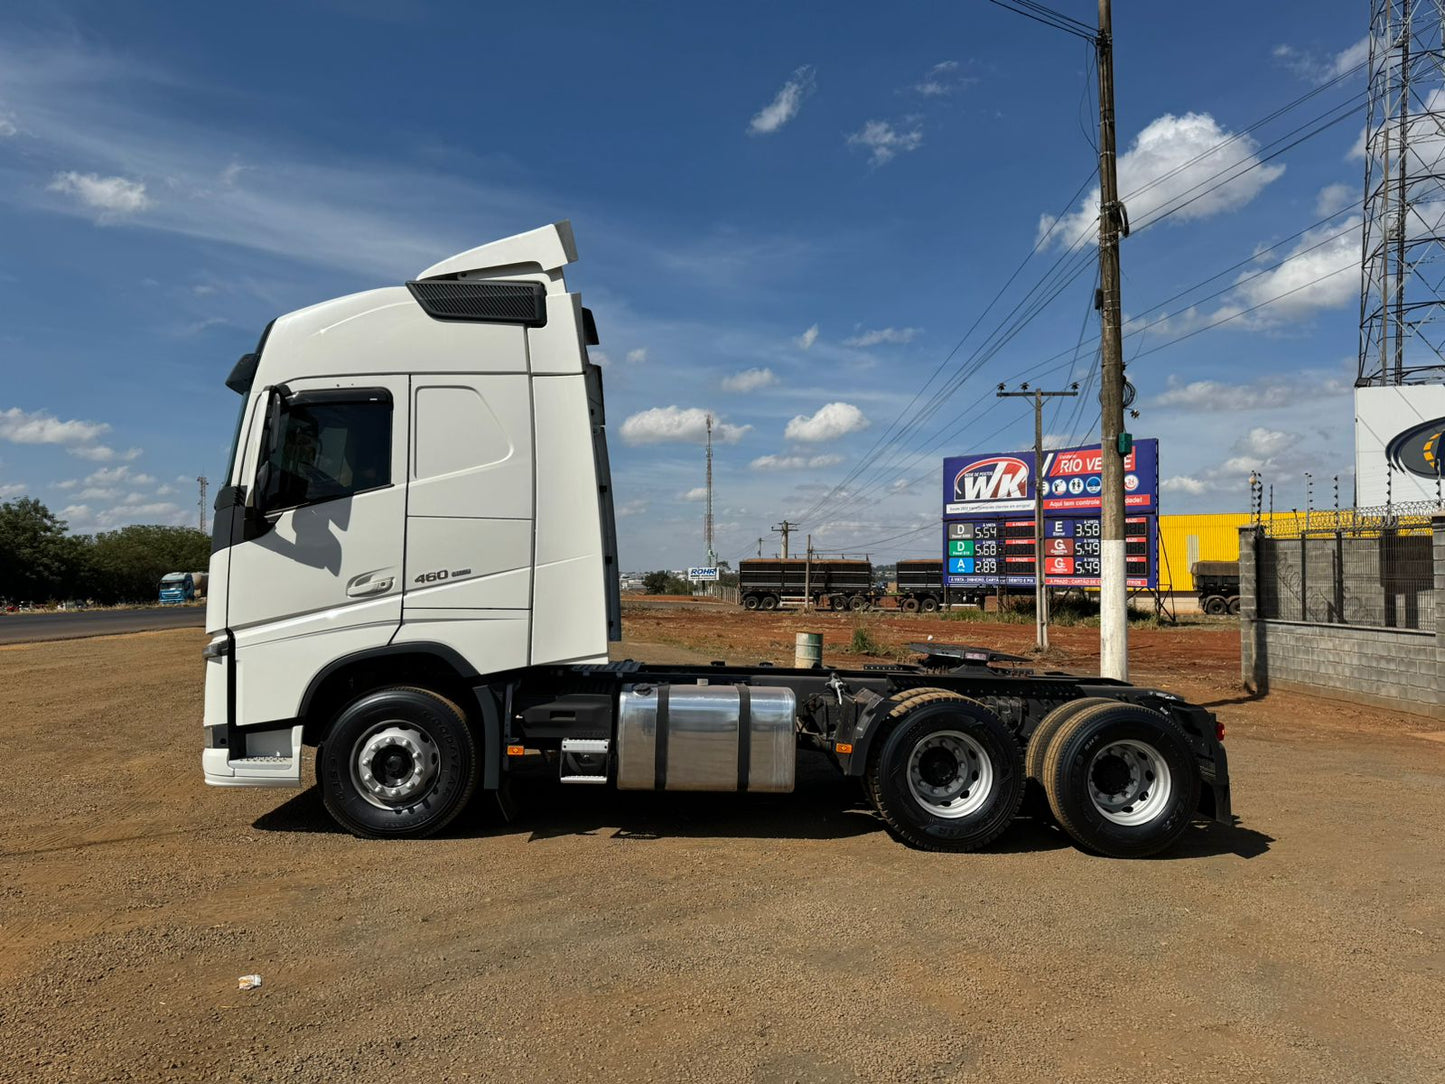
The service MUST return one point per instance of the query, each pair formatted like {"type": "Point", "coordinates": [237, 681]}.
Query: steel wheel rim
{"type": "Point", "coordinates": [394, 765]}
{"type": "Point", "coordinates": [966, 789]}
{"type": "Point", "coordinates": [1130, 782]}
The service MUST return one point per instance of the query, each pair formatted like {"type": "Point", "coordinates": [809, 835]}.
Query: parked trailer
{"type": "Point", "coordinates": [920, 585]}
{"type": "Point", "coordinates": [769, 583]}
{"type": "Point", "coordinates": [1218, 585]}
{"type": "Point", "coordinates": [414, 564]}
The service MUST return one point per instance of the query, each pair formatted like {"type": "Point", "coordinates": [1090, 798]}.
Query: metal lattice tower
{"type": "Point", "coordinates": [1402, 284]}
{"type": "Point", "coordinates": [707, 544]}
{"type": "Point", "coordinates": [202, 481]}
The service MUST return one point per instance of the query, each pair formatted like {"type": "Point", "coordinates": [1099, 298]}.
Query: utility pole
{"type": "Point", "coordinates": [760, 547]}
{"type": "Point", "coordinates": [808, 577]}
{"type": "Point", "coordinates": [1041, 594]}
{"type": "Point", "coordinates": [202, 481]}
{"type": "Point", "coordinates": [1115, 443]}
{"type": "Point", "coordinates": [783, 529]}
{"type": "Point", "coordinates": [707, 513]}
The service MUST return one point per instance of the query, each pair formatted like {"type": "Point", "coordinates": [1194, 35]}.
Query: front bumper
{"type": "Point", "coordinates": [271, 758]}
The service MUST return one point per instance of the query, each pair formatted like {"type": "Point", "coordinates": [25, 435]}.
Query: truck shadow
{"type": "Point", "coordinates": [824, 806]}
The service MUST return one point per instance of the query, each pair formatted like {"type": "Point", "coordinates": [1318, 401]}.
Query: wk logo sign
{"type": "Point", "coordinates": [1419, 450]}
{"type": "Point", "coordinates": [1001, 478]}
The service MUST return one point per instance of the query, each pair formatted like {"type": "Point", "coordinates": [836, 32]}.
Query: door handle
{"type": "Point", "coordinates": [363, 586]}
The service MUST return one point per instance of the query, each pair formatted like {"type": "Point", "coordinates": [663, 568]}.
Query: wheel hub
{"type": "Point", "coordinates": [1129, 782]}
{"type": "Point", "coordinates": [949, 774]}
{"type": "Point", "coordinates": [394, 765]}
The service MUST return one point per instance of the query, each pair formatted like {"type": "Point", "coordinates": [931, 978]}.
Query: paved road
{"type": "Point", "coordinates": [25, 628]}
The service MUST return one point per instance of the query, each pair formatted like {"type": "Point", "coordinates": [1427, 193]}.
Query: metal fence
{"type": "Point", "coordinates": [1370, 567]}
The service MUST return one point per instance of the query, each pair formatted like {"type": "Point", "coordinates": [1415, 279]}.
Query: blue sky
{"type": "Point", "coordinates": [787, 215]}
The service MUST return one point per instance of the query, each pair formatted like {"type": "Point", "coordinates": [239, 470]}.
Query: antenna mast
{"type": "Point", "coordinates": [707, 543]}
{"type": "Point", "coordinates": [202, 481]}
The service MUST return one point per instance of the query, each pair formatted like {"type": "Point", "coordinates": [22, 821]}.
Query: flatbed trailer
{"type": "Point", "coordinates": [414, 572]}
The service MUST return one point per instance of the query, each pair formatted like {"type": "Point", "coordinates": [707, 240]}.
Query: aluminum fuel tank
{"type": "Point", "coordinates": [706, 737]}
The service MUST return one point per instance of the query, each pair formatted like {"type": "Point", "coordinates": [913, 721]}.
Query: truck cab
{"type": "Point", "coordinates": [177, 587]}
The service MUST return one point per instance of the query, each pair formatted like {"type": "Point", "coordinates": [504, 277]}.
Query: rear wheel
{"type": "Point", "coordinates": [857, 602]}
{"type": "Point", "coordinates": [1234, 606]}
{"type": "Point", "coordinates": [1049, 726]}
{"type": "Point", "coordinates": [930, 605]}
{"type": "Point", "coordinates": [909, 605]}
{"type": "Point", "coordinates": [770, 602]}
{"type": "Point", "coordinates": [948, 776]}
{"type": "Point", "coordinates": [1216, 605]}
{"type": "Point", "coordinates": [398, 762]}
{"type": "Point", "coordinates": [750, 602]}
{"type": "Point", "coordinates": [1121, 780]}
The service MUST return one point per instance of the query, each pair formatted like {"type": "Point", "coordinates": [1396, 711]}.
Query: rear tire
{"type": "Point", "coordinates": [857, 603]}
{"type": "Point", "coordinates": [750, 602]}
{"type": "Point", "coordinates": [909, 605]}
{"type": "Point", "coordinates": [948, 776]}
{"type": "Point", "coordinates": [1216, 606]}
{"type": "Point", "coordinates": [770, 602]}
{"type": "Point", "coordinates": [399, 762]}
{"type": "Point", "coordinates": [1234, 606]}
{"type": "Point", "coordinates": [1121, 780]}
{"type": "Point", "coordinates": [930, 605]}
{"type": "Point", "coordinates": [1045, 731]}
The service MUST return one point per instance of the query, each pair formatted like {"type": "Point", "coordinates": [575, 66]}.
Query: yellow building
{"type": "Point", "coordinates": [1186, 539]}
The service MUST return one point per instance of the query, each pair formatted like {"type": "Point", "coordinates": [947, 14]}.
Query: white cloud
{"type": "Point", "coordinates": [1336, 197]}
{"type": "Point", "coordinates": [1317, 69]}
{"type": "Point", "coordinates": [165, 491]}
{"type": "Point", "coordinates": [69, 483]}
{"type": "Point", "coordinates": [102, 453]}
{"type": "Point", "coordinates": [942, 79]}
{"type": "Point", "coordinates": [795, 462]}
{"type": "Point", "coordinates": [678, 424]}
{"type": "Point", "coordinates": [749, 380]}
{"type": "Point", "coordinates": [1282, 390]}
{"type": "Point", "coordinates": [7, 125]}
{"type": "Point", "coordinates": [1175, 158]}
{"type": "Point", "coordinates": [12, 489]}
{"type": "Point", "coordinates": [632, 508]}
{"type": "Point", "coordinates": [598, 357]}
{"type": "Point", "coordinates": [74, 514]}
{"type": "Point", "coordinates": [697, 493]}
{"type": "Point", "coordinates": [1312, 275]}
{"type": "Point", "coordinates": [785, 105]}
{"type": "Point", "coordinates": [98, 493]}
{"type": "Point", "coordinates": [1185, 483]}
{"type": "Point", "coordinates": [1264, 443]}
{"type": "Point", "coordinates": [885, 142]}
{"type": "Point", "coordinates": [42, 427]}
{"type": "Point", "coordinates": [883, 335]}
{"type": "Point", "coordinates": [107, 476]}
{"type": "Point", "coordinates": [830, 422]}
{"type": "Point", "coordinates": [113, 197]}
{"type": "Point", "coordinates": [638, 356]}
{"type": "Point", "coordinates": [806, 340]}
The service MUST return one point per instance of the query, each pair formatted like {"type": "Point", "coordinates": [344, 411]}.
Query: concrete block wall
{"type": "Point", "coordinates": [1356, 660]}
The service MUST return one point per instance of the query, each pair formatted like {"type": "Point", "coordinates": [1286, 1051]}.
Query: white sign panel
{"type": "Point", "coordinates": [1398, 438]}
{"type": "Point", "coordinates": [697, 575]}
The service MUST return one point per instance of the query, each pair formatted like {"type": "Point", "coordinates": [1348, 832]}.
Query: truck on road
{"type": "Point", "coordinates": [1218, 585]}
{"type": "Point", "coordinates": [178, 587]}
{"type": "Point", "coordinates": [414, 570]}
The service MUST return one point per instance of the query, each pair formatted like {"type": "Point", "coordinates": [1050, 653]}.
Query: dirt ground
{"type": "Point", "coordinates": [606, 936]}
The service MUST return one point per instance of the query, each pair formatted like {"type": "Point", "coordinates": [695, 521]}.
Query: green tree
{"type": "Point", "coordinates": [127, 564]}
{"type": "Point", "coordinates": [38, 560]}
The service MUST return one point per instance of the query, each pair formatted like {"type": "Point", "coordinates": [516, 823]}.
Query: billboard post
{"type": "Point", "coordinates": [1041, 593]}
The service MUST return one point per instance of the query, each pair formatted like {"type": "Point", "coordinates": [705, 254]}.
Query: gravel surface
{"type": "Point", "coordinates": [636, 937]}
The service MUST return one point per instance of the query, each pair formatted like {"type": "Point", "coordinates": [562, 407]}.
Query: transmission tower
{"type": "Point", "coordinates": [202, 481]}
{"type": "Point", "coordinates": [1402, 311]}
{"type": "Point", "coordinates": [707, 544]}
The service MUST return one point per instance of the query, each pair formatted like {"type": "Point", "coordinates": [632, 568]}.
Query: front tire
{"type": "Point", "coordinates": [948, 776]}
{"type": "Point", "coordinates": [1121, 780]}
{"type": "Point", "coordinates": [399, 762]}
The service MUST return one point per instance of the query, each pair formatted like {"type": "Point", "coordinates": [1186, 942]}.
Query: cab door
{"type": "Point", "coordinates": [319, 574]}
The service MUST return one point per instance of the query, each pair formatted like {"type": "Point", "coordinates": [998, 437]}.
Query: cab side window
{"type": "Point", "coordinates": [326, 450]}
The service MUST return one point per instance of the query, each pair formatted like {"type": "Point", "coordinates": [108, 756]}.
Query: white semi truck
{"type": "Point", "coordinates": [414, 570]}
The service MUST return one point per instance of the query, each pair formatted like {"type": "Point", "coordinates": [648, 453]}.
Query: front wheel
{"type": "Point", "coordinates": [949, 776]}
{"type": "Point", "coordinates": [1121, 780]}
{"type": "Point", "coordinates": [398, 762]}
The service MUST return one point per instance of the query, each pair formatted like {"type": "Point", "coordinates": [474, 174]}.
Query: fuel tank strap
{"type": "Point", "coordinates": [745, 735]}
{"type": "Point", "coordinates": [660, 753]}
